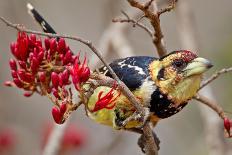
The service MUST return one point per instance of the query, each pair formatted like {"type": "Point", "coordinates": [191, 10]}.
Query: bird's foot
{"type": "Point", "coordinates": [141, 117]}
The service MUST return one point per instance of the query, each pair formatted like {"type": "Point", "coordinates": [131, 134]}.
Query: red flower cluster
{"type": "Point", "coordinates": [107, 101]}
{"type": "Point", "coordinates": [228, 126]}
{"type": "Point", "coordinates": [80, 72]}
{"type": "Point", "coordinates": [45, 68]}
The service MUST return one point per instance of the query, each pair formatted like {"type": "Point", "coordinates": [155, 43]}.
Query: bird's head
{"type": "Point", "coordinates": [179, 74]}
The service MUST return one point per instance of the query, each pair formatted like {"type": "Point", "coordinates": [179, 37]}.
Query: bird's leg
{"type": "Point", "coordinates": [137, 116]}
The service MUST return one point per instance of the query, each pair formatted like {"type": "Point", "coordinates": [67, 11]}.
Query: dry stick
{"type": "Point", "coordinates": [212, 123]}
{"type": "Point", "coordinates": [169, 8]}
{"type": "Point", "coordinates": [129, 20]}
{"type": "Point", "coordinates": [211, 104]}
{"type": "Point", "coordinates": [155, 22]}
{"type": "Point", "coordinates": [215, 76]}
{"type": "Point", "coordinates": [125, 90]}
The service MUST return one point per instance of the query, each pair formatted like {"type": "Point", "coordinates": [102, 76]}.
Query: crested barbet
{"type": "Point", "coordinates": [165, 84]}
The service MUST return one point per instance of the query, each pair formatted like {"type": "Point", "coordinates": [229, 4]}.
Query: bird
{"type": "Point", "coordinates": [163, 84]}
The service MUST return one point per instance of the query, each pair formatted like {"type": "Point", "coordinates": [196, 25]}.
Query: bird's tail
{"type": "Point", "coordinates": [39, 19]}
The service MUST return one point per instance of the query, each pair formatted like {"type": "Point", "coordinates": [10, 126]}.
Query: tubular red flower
{"type": "Point", "coordinates": [107, 101]}
{"type": "Point", "coordinates": [80, 72]}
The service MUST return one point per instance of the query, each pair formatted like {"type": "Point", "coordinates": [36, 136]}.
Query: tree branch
{"type": "Point", "coordinates": [168, 8]}
{"type": "Point", "coordinates": [210, 103]}
{"type": "Point", "coordinates": [215, 76]}
{"type": "Point", "coordinates": [134, 22]}
{"type": "Point", "coordinates": [155, 22]}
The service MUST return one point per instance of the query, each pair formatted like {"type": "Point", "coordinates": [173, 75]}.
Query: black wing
{"type": "Point", "coordinates": [132, 70]}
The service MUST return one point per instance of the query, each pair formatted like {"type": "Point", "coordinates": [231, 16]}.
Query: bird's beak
{"type": "Point", "coordinates": [197, 66]}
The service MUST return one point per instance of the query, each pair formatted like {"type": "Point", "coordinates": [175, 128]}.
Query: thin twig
{"type": "Point", "coordinates": [168, 8]}
{"type": "Point", "coordinates": [155, 22]}
{"type": "Point", "coordinates": [215, 76]}
{"type": "Point", "coordinates": [129, 20]}
{"type": "Point", "coordinates": [210, 103]}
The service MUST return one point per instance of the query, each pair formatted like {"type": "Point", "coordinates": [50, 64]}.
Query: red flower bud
{"type": "Point", "coordinates": [53, 45]}
{"type": "Point", "coordinates": [65, 76]}
{"type": "Point", "coordinates": [47, 43]}
{"type": "Point", "coordinates": [85, 74]}
{"type": "Point", "coordinates": [41, 56]}
{"type": "Point", "coordinates": [23, 43]}
{"type": "Point", "coordinates": [63, 108]}
{"type": "Point", "coordinates": [21, 74]}
{"type": "Point", "coordinates": [67, 58]}
{"type": "Point", "coordinates": [34, 65]}
{"type": "Point", "coordinates": [57, 115]}
{"type": "Point", "coordinates": [29, 78]}
{"type": "Point", "coordinates": [14, 74]}
{"type": "Point", "coordinates": [227, 125]}
{"type": "Point", "coordinates": [18, 83]}
{"type": "Point", "coordinates": [55, 79]}
{"type": "Point", "coordinates": [35, 52]}
{"type": "Point", "coordinates": [22, 64]}
{"type": "Point", "coordinates": [13, 65]}
{"type": "Point", "coordinates": [27, 94]}
{"type": "Point", "coordinates": [61, 46]}
{"type": "Point", "coordinates": [42, 77]}
{"type": "Point", "coordinates": [12, 48]}
{"type": "Point", "coordinates": [55, 93]}
{"type": "Point", "coordinates": [8, 83]}
{"type": "Point", "coordinates": [33, 37]}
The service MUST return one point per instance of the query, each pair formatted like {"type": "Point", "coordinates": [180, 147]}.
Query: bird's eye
{"type": "Point", "coordinates": [179, 64]}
